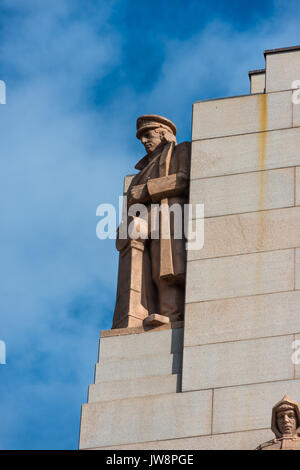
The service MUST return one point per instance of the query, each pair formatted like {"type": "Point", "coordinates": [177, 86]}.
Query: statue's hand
{"type": "Point", "coordinates": [137, 194]}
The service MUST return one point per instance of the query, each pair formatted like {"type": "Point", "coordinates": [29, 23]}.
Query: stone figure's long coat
{"type": "Point", "coordinates": [174, 186]}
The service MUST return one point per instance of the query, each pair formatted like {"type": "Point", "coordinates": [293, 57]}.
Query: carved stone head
{"type": "Point", "coordinates": [285, 417]}
{"type": "Point", "coordinates": [154, 131]}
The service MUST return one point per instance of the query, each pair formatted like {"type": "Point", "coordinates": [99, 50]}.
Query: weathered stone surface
{"type": "Point", "coordinates": [249, 407]}
{"type": "Point", "coordinates": [296, 110]}
{"type": "Point", "coordinates": [128, 388]}
{"type": "Point", "coordinates": [146, 419]}
{"type": "Point", "coordinates": [281, 70]}
{"type": "Point", "coordinates": [126, 347]}
{"type": "Point", "coordinates": [240, 276]}
{"type": "Point", "coordinates": [237, 363]}
{"type": "Point", "coordinates": [257, 83]}
{"type": "Point", "coordinates": [296, 354]}
{"type": "Point", "coordinates": [297, 186]}
{"type": "Point", "coordinates": [245, 153]}
{"type": "Point", "coordinates": [249, 233]}
{"type": "Point", "coordinates": [145, 366]}
{"type": "Point", "coordinates": [297, 268]}
{"type": "Point", "coordinates": [242, 318]}
{"type": "Point", "coordinates": [241, 115]}
{"type": "Point", "coordinates": [247, 440]}
{"type": "Point", "coordinates": [248, 192]}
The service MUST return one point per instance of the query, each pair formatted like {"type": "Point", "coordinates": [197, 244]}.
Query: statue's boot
{"type": "Point", "coordinates": [158, 320]}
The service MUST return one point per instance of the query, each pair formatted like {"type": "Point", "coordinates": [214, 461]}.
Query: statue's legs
{"type": "Point", "coordinates": [170, 295]}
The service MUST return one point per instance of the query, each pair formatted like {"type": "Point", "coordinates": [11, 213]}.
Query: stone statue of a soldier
{"type": "Point", "coordinates": [151, 284]}
{"type": "Point", "coordinates": [285, 425]}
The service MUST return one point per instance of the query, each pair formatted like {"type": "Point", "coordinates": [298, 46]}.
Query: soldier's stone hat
{"type": "Point", "coordinates": [285, 404]}
{"type": "Point", "coordinates": [152, 121]}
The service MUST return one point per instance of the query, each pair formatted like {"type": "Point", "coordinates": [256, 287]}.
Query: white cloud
{"type": "Point", "coordinates": [56, 277]}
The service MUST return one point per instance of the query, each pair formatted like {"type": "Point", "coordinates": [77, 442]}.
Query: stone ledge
{"type": "Point", "coordinates": [256, 72]}
{"type": "Point", "coordinates": [133, 388]}
{"type": "Point", "coordinates": [281, 50]}
{"type": "Point", "coordinates": [139, 329]}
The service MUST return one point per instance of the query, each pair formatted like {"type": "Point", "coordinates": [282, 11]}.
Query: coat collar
{"type": "Point", "coordinates": [141, 164]}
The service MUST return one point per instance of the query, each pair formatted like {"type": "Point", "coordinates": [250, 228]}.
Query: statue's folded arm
{"type": "Point", "coordinates": [167, 186]}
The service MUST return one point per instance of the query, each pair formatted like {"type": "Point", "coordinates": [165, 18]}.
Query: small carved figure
{"type": "Point", "coordinates": [285, 425]}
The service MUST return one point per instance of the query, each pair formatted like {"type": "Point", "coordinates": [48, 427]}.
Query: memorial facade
{"type": "Point", "coordinates": [210, 380]}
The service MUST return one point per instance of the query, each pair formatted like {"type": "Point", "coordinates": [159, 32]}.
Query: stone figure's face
{"type": "Point", "coordinates": [287, 421]}
{"type": "Point", "coordinates": [151, 140]}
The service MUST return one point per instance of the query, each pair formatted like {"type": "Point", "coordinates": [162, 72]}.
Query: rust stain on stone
{"type": "Point", "coordinates": [262, 150]}
{"type": "Point", "coordinates": [263, 127]}
{"type": "Point", "coordinates": [262, 136]}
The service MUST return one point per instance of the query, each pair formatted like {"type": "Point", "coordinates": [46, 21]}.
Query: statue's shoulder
{"type": "Point", "coordinates": [269, 445]}
{"type": "Point", "coordinates": [184, 146]}
{"type": "Point", "coordinates": [183, 149]}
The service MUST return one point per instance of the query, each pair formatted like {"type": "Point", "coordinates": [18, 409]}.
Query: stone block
{"type": "Point", "coordinates": [129, 388]}
{"type": "Point", "coordinates": [297, 268]}
{"type": "Point", "coordinates": [249, 407]}
{"type": "Point", "coordinates": [257, 82]}
{"type": "Point", "coordinates": [135, 420]}
{"type": "Point", "coordinates": [241, 115]}
{"type": "Point", "coordinates": [249, 233]}
{"type": "Point", "coordinates": [298, 186]}
{"type": "Point", "coordinates": [240, 276]}
{"type": "Point", "coordinates": [281, 70]}
{"type": "Point", "coordinates": [242, 318]}
{"type": "Point", "coordinates": [145, 366]}
{"type": "Point", "coordinates": [248, 192]}
{"type": "Point", "coordinates": [237, 363]}
{"type": "Point", "coordinates": [136, 345]}
{"type": "Point", "coordinates": [245, 153]}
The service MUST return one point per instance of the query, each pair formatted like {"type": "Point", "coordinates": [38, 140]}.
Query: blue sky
{"type": "Point", "coordinates": [78, 73]}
